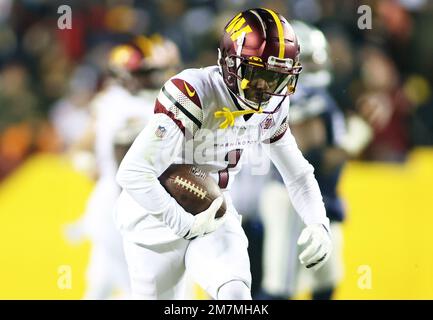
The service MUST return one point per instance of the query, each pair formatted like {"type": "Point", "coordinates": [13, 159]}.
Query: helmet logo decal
{"type": "Point", "coordinates": [280, 32]}
{"type": "Point", "coordinates": [256, 61]}
{"type": "Point", "coordinates": [188, 90]}
{"type": "Point", "coordinates": [236, 27]}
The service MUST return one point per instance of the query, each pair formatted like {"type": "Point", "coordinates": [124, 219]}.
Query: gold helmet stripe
{"type": "Point", "coordinates": [280, 32]}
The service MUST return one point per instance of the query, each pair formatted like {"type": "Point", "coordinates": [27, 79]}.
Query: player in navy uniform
{"type": "Point", "coordinates": [319, 127]}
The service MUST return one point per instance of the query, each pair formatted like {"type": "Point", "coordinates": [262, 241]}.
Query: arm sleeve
{"type": "Point", "coordinates": [178, 115]}
{"type": "Point", "coordinates": [298, 176]}
{"type": "Point", "coordinates": [151, 153]}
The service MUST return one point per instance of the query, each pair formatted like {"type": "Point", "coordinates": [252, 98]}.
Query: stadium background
{"type": "Point", "coordinates": [388, 189]}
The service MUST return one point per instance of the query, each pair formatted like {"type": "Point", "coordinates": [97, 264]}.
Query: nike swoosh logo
{"type": "Point", "coordinates": [190, 93]}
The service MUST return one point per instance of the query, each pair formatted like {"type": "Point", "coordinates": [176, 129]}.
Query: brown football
{"type": "Point", "coordinates": [193, 188]}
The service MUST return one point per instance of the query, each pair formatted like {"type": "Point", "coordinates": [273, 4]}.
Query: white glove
{"type": "Point", "coordinates": [205, 221]}
{"type": "Point", "coordinates": [319, 246]}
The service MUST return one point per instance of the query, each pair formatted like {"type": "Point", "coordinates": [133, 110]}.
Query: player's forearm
{"type": "Point", "coordinates": [307, 200]}
{"type": "Point", "coordinates": [144, 188]}
{"type": "Point", "coordinates": [298, 176]}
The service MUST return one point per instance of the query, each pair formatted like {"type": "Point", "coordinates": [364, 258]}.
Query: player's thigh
{"type": "Point", "coordinates": [156, 271]}
{"type": "Point", "coordinates": [220, 257]}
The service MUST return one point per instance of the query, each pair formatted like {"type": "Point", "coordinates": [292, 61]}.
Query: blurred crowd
{"type": "Point", "coordinates": [49, 75]}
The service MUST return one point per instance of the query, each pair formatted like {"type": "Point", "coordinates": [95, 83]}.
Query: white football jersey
{"type": "Point", "coordinates": [185, 129]}
{"type": "Point", "coordinates": [192, 97]}
{"type": "Point", "coordinates": [113, 108]}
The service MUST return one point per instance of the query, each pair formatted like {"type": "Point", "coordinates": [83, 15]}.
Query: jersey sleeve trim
{"type": "Point", "coordinates": [188, 91]}
{"type": "Point", "coordinates": [159, 108]}
{"type": "Point", "coordinates": [181, 107]}
{"type": "Point", "coordinates": [279, 133]}
{"type": "Point", "coordinates": [173, 101]}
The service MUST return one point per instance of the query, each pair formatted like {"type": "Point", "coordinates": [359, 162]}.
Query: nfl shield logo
{"type": "Point", "coordinates": [160, 132]}
{"type": "Point", "coordinates": [267, 123]}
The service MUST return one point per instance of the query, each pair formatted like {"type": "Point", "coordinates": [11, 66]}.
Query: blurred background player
{"type": "Point", "coordinates": [119, 112]}
{"type": "Point", "coordinates": [270, 221]}
{"type": "Point", "coordinates": [319, 128]}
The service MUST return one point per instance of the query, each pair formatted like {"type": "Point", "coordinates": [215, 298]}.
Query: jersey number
{"type": "Point", "coordinates": [233, 158]}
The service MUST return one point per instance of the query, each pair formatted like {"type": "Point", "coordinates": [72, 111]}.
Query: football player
{"type": "Point", "coordinates": [319, 128]}
{"type": "Point", "coordinates": [208, 117]}
{"type": "Point", "coordinates": [120, 112]}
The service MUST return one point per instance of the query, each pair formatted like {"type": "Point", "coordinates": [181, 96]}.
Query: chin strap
{"type": "Point", "coordinates": [231, 115]}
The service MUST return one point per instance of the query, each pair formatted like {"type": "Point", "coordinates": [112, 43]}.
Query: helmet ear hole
{"type": "Point", "coordinates": [230, 62]}
{"type": "Point", "coordinates": [230, 80]}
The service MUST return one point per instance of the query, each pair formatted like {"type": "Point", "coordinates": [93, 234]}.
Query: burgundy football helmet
{"type": "Point", "coordinates": [259, 57]}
